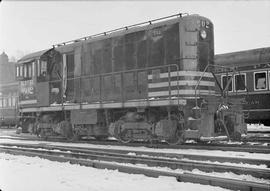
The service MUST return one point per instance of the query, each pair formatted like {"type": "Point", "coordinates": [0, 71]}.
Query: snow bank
{"type": "Point", "coordinates": [32, 173]}
{"type": "Point", "coordinates": [257, 127]}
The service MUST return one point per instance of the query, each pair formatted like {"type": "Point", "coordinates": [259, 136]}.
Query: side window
{"type": "Point", "coordinates": [17, 71]}
{"type": "Point", "coordinates": [21, 71]}
{"type": "Point", "coordinates": [33, 69]}
{"type": "Point", "coordinates": [38, 68]}
{"type": "Point", "coordinates": [4, 102]}
{"type": "Point", "coordinates": [225, 80]}
{"type": "Point", "coordinates": [25, 71]}
{"type": "Point", "coordinates": [260, 80]}
{"type": "Point", "coordinates": [9, 101]}
{"type": "Point", "coordinates": [43, 68]}
{"type": "Point", "coordinates": [240, 82]}
{"type": "Point", "coordinates": [29, 66]}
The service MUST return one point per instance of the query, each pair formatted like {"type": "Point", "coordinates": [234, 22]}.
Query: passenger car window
{"type": "Point", "coordinates": [260, 81]}
{"type": "Point", "coordinates": [240, 82]}
{"type": "Point", "coordinates": [225, 80]}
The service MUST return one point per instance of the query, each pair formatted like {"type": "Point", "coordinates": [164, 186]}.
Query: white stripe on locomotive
{"type": "Point", "coordinates": [182, 73]}
{"type": "Point", "coordinates": [181, 83]}
{"type": "Point", "coordinates": [181, 92]}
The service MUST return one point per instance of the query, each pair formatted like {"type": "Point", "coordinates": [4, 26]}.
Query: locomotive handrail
{"type": "Point", "coordinates": [205, 69]}
{"type": "Point", "coordinates": [198, 83]}
{"type": "Point", "coordinates": [169, 66]}
{"type": "Point", "coordinates": [118, 29]}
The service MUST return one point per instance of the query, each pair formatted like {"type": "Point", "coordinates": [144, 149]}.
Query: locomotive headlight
{"type": "Point", "coordinates": [203, 34]}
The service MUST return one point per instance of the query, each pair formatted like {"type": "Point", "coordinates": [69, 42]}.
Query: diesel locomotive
{"type": "Point", "coordinates": [151, 81]}
{"type": "Point", "coordinates": [252, 83]}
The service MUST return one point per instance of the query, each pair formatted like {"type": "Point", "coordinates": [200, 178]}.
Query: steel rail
{"type": "Point", "coordinates": [181, 177]}
{"type": "Point", "coordinates": [198, 146]}
{"type": "Point", "coordinates": [152, 161]}
{"type": "Point", "coordinates": [151, 154]}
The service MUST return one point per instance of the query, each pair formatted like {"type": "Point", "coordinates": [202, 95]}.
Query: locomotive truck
{"type": "Point", "coordinates": [151, 81]}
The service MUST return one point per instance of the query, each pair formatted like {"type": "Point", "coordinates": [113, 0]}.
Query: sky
{"type": "Point", "coordinates": [28, 26]}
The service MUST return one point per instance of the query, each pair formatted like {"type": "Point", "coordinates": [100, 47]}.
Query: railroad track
{"type": "Point", "coordinates": [206, 146]}
{"type": "Point", "coordinates": [261, 139]}
{"type": "Point", "coordinates": [93, 157]}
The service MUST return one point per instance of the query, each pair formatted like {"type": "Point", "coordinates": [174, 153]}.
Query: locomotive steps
{"type": "Point", "coordinates": [93, 158]}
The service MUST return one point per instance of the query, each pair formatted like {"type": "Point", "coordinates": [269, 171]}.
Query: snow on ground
{"type": "Point", "coordinates": [230, 175]}
{"type": "Point", "coordinates": [32, 173]}
{"type": "Point", "coordinates": [145, 149]}
{"type": "Point", "coordinates": [257, 127]}
{"type": "Point", "coordinates": [261, 166]}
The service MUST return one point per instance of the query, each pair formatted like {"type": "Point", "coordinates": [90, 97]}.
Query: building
{"type": "Point", "coordinates": [8, 91]}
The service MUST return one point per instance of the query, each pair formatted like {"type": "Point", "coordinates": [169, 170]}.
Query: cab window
{"type": "Point", "coordinates": [17, 71]}
{"type": "Point", "coordinates": [21, 71]}
{"type": "Point", "coordinates": [38, 68]}
{"type": "Point", "coordinates": [29, 66]}
{"type": "Point", "coordinates": [4, 102]}
{"type": "Point", "coordinates": [25, 71]}
{"type": "Point", "coordinates": [260, 80]}
{"type": "Point", "coordinates": [240, 82]}
{"type": "Point", "coordinates": [43, 68]}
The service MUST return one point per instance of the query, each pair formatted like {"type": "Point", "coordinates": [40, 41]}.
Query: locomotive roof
{"type": "Point", "coordinates": [129, 29]}
{"type": "Point", "coordinates": [247, 57]}
{"type": "Point", "coordinates": [70, 45]}
{"type": "Point", "coordinates": [32, 56]}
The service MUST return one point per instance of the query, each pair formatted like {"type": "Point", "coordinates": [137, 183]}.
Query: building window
{"type": "Point", "coordinates": [260, 80]}
{"type": "Point", "coordinates": [224, 82]}
{"type": "Point", "coordinates": [240, 82]}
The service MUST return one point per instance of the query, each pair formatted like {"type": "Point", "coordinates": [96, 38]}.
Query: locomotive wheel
{"type": "Point", "coordinates": [123, 137]}
{"type": "Point", "coordinates": [177, 139]}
